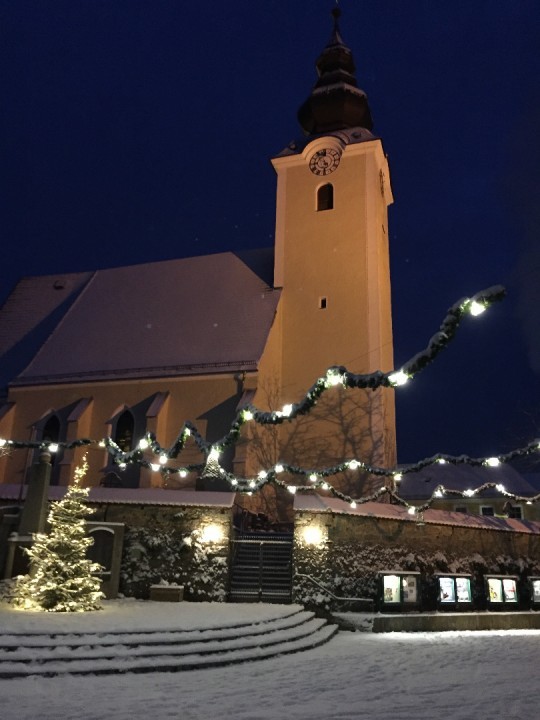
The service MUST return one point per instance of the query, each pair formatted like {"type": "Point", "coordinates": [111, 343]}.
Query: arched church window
{"type": "Point", "coordinates": [51, 430]}
{"type": "Point", "coordinates": [325, 197]}
{"type": "Point", "coordinates": [124, 431]}
{"type": "Point", "coordinates": [51, 434]}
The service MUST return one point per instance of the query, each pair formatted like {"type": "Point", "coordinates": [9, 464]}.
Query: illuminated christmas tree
{"type": "Point", "coordinates": [62, 578]}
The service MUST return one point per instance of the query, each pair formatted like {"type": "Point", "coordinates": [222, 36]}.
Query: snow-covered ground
{"type": "Point", "coordinates": [397, 676]}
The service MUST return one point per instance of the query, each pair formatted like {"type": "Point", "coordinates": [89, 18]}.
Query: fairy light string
{"type": "Point", "coordinates": [314, 479]}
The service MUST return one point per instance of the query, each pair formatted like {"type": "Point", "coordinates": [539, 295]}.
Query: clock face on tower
{"type": "Point", "coordinates": [324, 161]}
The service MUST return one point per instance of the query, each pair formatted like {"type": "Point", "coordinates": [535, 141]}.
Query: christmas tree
{"type": "Point", "coordinates": [61, 577]}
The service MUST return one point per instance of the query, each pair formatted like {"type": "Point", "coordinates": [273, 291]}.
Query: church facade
{"type": "Point", "coordinates": [121, 352]}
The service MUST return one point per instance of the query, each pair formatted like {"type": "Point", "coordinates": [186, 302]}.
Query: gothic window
{"type": "Point", "coordinates": [51, 430]}
{"type": "Point", "coordinates": [325, 197]}
{"type": "Point", "coordinates": [126, 427]}
{"type": "Point", "coordinates": [124, 431]}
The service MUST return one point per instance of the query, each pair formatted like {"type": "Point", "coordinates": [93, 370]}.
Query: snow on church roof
{"type": "Point", "coordinates": [195, 315]}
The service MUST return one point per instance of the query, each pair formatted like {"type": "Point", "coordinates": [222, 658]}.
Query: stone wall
{"type": "Point", "coordinates": [345, 553]}
{"type": "Point", "coordinates": [179, 545]}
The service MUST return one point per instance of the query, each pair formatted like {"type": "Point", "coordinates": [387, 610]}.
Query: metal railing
{"type": "Point", "coordinates": [368, 601]}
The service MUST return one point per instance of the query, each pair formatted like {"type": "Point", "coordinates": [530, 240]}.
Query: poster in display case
{"type": "Point", "coordinates": [495, 590]}
{"type": "Point", "coordinates": [463, 590]}
{"type": "Point", "coordinates": [502, 590]}
{"type": "Point", "coordinates": [454, 592]}
{"type": "Point", "coordinates": [447, 592]}
{"type": "Point", "coordinates": [509, 590]}
{"type": "Point", "coordinates": [400, 590]}
{"type": "Point", "coordinates": [391, 588]}
{"type": "Point", "coordinates": [410, 591]}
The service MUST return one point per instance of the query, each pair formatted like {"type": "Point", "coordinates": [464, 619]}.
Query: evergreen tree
{"type": "Point", "coordinates": [61, 577]}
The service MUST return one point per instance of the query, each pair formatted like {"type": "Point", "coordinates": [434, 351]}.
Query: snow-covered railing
{"type": "Point", "coordinates": [370, 601]}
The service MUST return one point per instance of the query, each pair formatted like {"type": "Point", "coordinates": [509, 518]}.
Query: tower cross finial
{"type": "Point", "coordinates": [336, 13]}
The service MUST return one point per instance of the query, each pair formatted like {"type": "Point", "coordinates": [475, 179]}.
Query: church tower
{"type": "Point", "coordinates": [332, 260]}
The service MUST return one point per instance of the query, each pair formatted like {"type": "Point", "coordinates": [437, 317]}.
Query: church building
{"type": "Point", "coordinates": [125, 351]}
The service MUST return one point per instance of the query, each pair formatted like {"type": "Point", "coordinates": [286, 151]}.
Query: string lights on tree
{"type": "Point", "coordinates": [315, 478]}
{"type": "Point", "coordinates": [62, 578]}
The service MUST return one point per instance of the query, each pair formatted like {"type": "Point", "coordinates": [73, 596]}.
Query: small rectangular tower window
{"type": "Point", "coordinates": [325, 197]}
{"type": "Point", "coordinates": [322, 303]}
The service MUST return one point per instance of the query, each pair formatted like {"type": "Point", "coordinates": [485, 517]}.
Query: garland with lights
{"type": "Point", "coordinates": [318, 479]}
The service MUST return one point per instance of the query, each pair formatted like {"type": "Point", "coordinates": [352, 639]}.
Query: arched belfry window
{"type": "Point", "coordinates": [325, 197]}
{"type": "Point", "coordinates": [124, 431]}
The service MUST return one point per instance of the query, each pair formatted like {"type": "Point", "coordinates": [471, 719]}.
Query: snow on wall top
{"type": "Point", "coordinates": [130, 496]}
{"type": "Point", "coordinates": [317, 503]}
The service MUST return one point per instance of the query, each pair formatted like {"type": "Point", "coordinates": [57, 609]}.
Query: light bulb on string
{"type": "Point", "coordinates": [476, 308]}
{"type": "Point", "coordinates": [398, 378]}
{"type": "Point", "coordinates": [333, 378]}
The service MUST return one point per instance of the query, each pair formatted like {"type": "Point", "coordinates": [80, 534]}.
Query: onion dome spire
{"type": "Point", "coordinates": [336, 102]}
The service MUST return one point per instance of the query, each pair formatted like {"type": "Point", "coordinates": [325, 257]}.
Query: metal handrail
{"type": "Point", "coordinates": [329, 592]}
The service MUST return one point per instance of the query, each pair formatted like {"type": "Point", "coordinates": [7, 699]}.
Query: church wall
{"type": "Point", "coordinates": [209, 402]}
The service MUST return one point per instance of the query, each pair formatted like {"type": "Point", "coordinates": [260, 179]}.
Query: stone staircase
{"type": "Point", "coordinates": [100, 653]}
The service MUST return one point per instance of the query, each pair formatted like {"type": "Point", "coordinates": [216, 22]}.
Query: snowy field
{"type": "Point", "coordinates": [396, 676]}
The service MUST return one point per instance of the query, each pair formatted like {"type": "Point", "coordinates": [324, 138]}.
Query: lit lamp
{"type": "Point", "coordinates": [212, 533]}
{"type": "Point", "coordinates": [314, 535]}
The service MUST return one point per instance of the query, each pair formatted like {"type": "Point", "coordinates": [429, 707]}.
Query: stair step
{"type": "Point", "coordinates": [168, 662]}
{"type": "Point", "coordinates": [123, 652]}
{"type": "Point", "coordinates": [97, 651]}
{"type": "Point", "coordinates": [133, 639]}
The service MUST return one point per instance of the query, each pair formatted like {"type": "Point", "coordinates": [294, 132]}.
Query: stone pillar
{"type": "Point", "coordinates": [34, 514]}
{"type": "Point", "coordinates": [33, 517]}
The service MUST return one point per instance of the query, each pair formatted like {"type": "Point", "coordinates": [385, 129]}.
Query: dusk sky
{"type": "Point", "coordinates": [141, 130]}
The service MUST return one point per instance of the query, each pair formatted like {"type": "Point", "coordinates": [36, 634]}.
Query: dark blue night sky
{"type": "Point", "coordinates": [136, 130]}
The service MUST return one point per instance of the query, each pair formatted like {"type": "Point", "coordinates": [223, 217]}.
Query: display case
{"type": "Point", "coordinates": [534, 586]}
{"type": "Point", "coordinates": [400, 590]}
{"type": "Point", "coordinates": [501, 591]}
{"type": "Point", "coordinates": [454, 592]}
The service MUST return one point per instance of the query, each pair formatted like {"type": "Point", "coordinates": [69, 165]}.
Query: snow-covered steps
{"type": "Point", "coordinates": [160, 649]}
